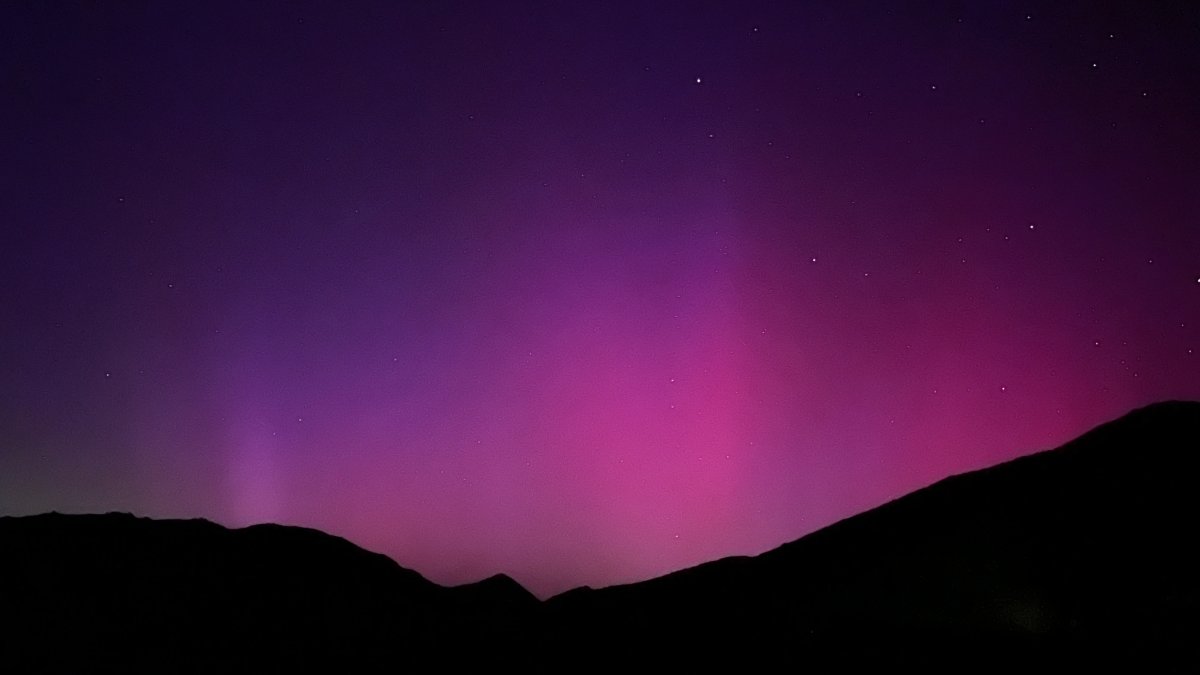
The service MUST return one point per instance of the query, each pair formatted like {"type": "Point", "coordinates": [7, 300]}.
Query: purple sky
{"type": "Point", "coordinates": [581, 293]}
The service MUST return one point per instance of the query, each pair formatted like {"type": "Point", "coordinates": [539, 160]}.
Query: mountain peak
{"type": "Point", "coordinates": [500, 580]}
{"type": "Point", "coordinates": [498, 590]}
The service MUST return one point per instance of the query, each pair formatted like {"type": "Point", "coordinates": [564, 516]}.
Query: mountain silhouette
{"type": "Point", "coordinates": [1086, 552]}
{"type": "Point", "coordinates": [148, 595]}
{"type": "Point", "coordinates": [1082, 555]}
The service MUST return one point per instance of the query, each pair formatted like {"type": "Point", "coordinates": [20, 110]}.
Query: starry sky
{"type": "Point", "coordinates": [581, 292]}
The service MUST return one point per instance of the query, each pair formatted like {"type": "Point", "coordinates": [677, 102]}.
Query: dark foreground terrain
{"type": "Point", "coordinates": [1081, 556]}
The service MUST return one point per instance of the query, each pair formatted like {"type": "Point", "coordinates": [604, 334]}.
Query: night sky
{"type": "Point", "coordinates": [581, 293]}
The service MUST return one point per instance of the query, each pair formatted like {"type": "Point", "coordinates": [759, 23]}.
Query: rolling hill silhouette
{"type": "Point", "coordinates": [1086, 552]}
{"type": "Point", "coordinates": [171, 595]}
{"type": "Point", "coordinates": [1081, 555]}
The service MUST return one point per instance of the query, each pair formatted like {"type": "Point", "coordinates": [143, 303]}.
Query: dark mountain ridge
{"type": "Point", "coordinates": [1083, 554]}
{"type": "Point", "coordinates": [1087, 549]}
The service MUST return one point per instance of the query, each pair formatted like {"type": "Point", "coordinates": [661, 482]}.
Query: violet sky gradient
{"type": "Point", "coordinates": [581, 292]}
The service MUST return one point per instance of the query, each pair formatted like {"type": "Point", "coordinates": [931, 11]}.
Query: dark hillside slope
{"type": "Point", "coordinates": [171, 595]}
{"type": "Point", "coordinates": [1088, 550]}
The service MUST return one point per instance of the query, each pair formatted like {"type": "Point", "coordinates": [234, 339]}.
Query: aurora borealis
{"type": "Point", "coordinates": [583, 293]}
